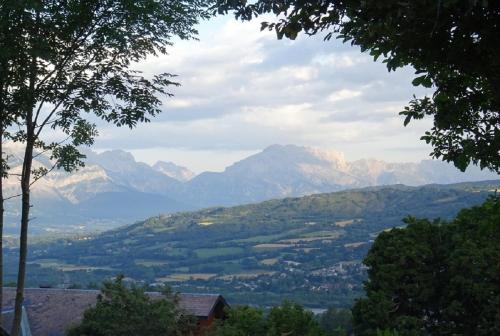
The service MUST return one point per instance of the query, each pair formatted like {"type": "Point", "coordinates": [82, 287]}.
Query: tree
{"type": "Point", "coordinates": [8, 40]}
{"type": "Point", "coordinates": [452, 45]}
{"type": "Point", "coordinates": [336, 322]}
{"type": "Point", "coordinates": [293, 320]}
{"type": "Point", "coordinates": [438, 278]}
{"type": "Point", "coordinates": [67, 65]}
{"type": "Point", "coordinates": [243, 321]}
{"type": "Point", "coordinates": [121, 311]}
{"type": "Point", "coordinates": [289, 319]}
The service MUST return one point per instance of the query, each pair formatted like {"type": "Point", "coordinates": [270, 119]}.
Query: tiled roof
{"type": "Point", "coordinates": [8, 318]}
{"type": "Point", "coordinates": [200, 305]}
{"type": "Point", "coordinates": [51, 311]}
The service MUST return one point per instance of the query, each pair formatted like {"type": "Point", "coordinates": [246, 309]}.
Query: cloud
{"type": "Point", "coordinates": [343, 94]}
{"type": "Point", "coordinates": [242, 90]}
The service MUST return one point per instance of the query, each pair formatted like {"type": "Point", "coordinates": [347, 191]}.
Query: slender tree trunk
{"type": "Point", "coordinates": [25, 190]}
{"type": "Point", "coordinates": [2, 127]}
{"type": "Point", "coordinates": [3, 85]}
{"type": "Point", "coordinates": [1, 220]}
{"type": "Point", "coordinates": [3, 123]}
{"type": "Point", "coordinates": [23, 244]}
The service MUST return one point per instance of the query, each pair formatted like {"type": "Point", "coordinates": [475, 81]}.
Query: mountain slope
{"type": "Point", "coordinates": [114, 189]}
{"type": "Point", "coordinates": [308, 249]}
{"type": "Point", "coordinates": [111, 190]}
{"type": "Point", "coordinates": [288, 171]}
{"type": "Point", "coordinates": [174, 171]}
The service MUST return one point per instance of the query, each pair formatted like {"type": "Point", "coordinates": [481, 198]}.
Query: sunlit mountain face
{"type": "Point", "coordinates": [114, 189]}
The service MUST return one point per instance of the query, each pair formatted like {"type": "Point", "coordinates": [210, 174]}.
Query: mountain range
{"type": "Point", "coordinates": [114, 189]}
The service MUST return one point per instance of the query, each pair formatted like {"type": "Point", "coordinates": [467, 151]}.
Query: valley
{"type": "Point", "coordinates": [308, 249]}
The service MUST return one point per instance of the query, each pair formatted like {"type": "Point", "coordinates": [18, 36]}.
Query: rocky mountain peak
{"type": "Point", "coordinates": [172, 170]}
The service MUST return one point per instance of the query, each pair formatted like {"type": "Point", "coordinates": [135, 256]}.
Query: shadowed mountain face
{"type": "Point", "coordinates": [111, 190]}
{"type": "Point", "coordinates": [114, 189]}
{"type": "Point", "coordinates": [284, 171]}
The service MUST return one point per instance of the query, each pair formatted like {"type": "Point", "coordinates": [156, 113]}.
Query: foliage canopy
{"type": "Point", "coordinates": [435, 278]}
{"type": "Point", "coordinates": [452, 44]}
{"type": "Point", "coordinates": [336, 322]}
{"type": "Point", "coordinates": [288, 319]}
{"type": "Point", "coordinates": [122, 311]}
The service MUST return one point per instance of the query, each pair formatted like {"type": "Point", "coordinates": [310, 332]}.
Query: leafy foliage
{"type": "Point", "coordinates": [288, 319]}
{"type": "Point", "coordinates": [336, 322]}
{"type": "Point", "coordinates": [243, 321]}
{"type": "Point", "coordinates": [435, 277]}
{"type": "Point", "coordinates": [292, 319]}
{"type": "Point", "coordinates": [452, 45]}
{"type": "Point", "coordinates": [122, 311]}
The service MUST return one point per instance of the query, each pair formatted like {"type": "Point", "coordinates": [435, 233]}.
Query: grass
{"type": "Point", "coordinates": [308, 249]}
{"type": "Point", "coordinates": [345, 223]}
{"type": "Point", "coordinates": [269, 262]}
{"type": "Point", "coordinates": [61, 266]}
{"type": "Point", "coordinates": [204, 253]}
{"type": "Point", "coordinates": [267, 238]}
{"type": "Point", "coordinates": [355, 245]}
{"type": "Point", "coordinates": [180, 277]}
{"type": "Point", "coordinates": [149, 262]}
{"type": "Point", "coordinates": [205, 223]}
{"type": "Point", "coordinates": [271, 246]}
{"type": "Point", "coordinates": [260, 239]}
{"type": "Point", "coordinates": [169, 250]}
{"type": "Point", "coordinates": [325, 233]}
{"type": "Point", "coordinates": [313, 236]}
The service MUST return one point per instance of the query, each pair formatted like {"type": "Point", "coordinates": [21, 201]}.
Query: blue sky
{"type": "Point", "coordinates": [243, 90]}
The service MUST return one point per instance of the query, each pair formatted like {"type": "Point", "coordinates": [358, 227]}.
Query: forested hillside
{"type": "Point", "coordinates": [308, 249]}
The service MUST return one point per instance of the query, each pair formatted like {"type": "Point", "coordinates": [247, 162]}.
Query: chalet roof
{"type": "Point", "coordinates": [8, 318]}
{"type": "Point", "coordinates": [200, 305]}
{"type": "Point", "coordinates": [51, 311]}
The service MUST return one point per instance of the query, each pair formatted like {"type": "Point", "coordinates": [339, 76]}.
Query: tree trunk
{"type": "Point", "coordinates": [1, 222]}
{"type": "Point", "coordinates": [26, 178]}
{"type": "Point", "coordinates": [23, 241]}
{"type": "Point", "coordinates": [2, 128]}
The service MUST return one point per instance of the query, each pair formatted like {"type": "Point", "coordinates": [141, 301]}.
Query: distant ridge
{"type": "Point", "coordinates": [114, 189]}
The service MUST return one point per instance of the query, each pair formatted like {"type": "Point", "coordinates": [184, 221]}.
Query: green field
{"type": "Point", "coordinates": [217, 252]}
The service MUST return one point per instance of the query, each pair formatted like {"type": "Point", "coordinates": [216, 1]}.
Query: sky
{"type": "Point", "coordinates": [243, 90]}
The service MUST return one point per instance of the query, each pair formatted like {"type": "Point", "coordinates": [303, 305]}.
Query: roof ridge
{"type": "Point", "coordinates": [56, 289]}
{"type": "Point", "coordinates": [201, 294]}
{"type": "Point", "coordinates": [75, 290]}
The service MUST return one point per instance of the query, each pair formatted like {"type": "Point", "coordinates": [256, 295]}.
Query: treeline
{"type": "Point", "coordinates": [123, 310]}
{"type": "Point", "coordinates": [430, 278]}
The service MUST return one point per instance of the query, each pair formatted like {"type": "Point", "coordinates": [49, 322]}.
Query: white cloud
{"type": "Point", "coordinates": [282, 117]}
{"type": "Point", "coordinates": [242, 90]}
{"type": "Point", "coordinates": [340, 60]}
{"type": "Point", "coordinates": [343, 94]}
